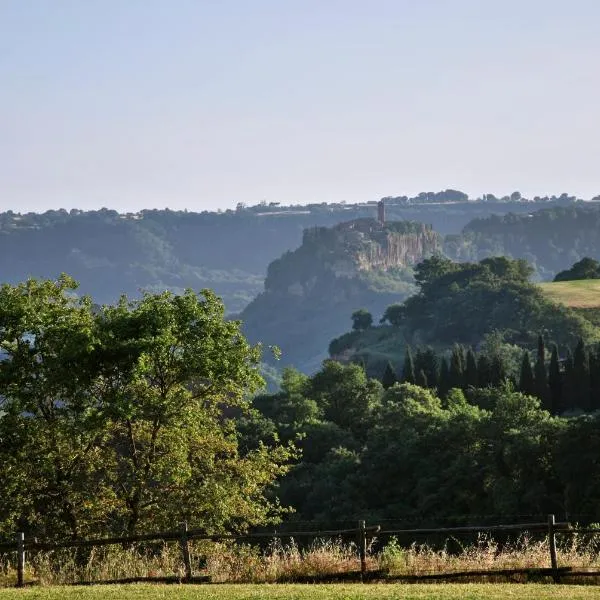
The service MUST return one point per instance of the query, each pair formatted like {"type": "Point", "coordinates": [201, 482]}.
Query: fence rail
{"type": "Point", "coordinates": [362, 534]}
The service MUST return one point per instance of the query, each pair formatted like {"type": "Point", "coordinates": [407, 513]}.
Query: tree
{"type": "Point", "coordinates": [346, 396]}
{"type": "Point", "coordinates": [394, 315]}
{"type": "Point", "coordinates": [555, 382]}
{"type": "Point", "coordinates": [581, 377]}
{"type": "Point", "coordinates": [526, 381]}
{"type": "Point", "coordinates": [172, 368]}
{"type": "Point", "coordinates": [497, 371]}
{"type": "Point", "coordinates": [540, 375]}
{"type": "Point", "coordinates": [361, 319]}
{"type": "Point", "coordinates": [457, 367]}
{"type": "Point", "coordinates": [594, 358]}
{"type": "Point", "coordinates": [569, 385]}
{"type": "Point", "coordinates": [444, 379]}
{"type": "Point", "coordinates": [408, 369]}
{"type": "Point", "coordinates": [389, 376]}
{"type": "Point", "coordinates": [421, 380]}
{"type": "Point", "coordinates": [427, 361]}
{"type": "Point", "coordinates": [57, 436]}
{"type": "Point", "coordinates": [484, 371]}
{"type": "Point", "coordinates": [427, 271]}
{"type": "Point", "coordinates": [470, 370]}
{"type": "Point", "coordinates": [125, 413]}
{"type": "Point", "coordinates": [586, 268]}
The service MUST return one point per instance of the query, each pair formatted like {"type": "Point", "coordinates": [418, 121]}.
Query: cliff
{"type": "Point", "coordinates": [311, 292]}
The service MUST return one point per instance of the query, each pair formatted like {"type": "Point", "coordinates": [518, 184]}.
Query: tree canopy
{"type": "Point", "coordinates": [122, 417]}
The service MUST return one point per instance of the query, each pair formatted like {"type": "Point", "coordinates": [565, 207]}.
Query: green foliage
{"type": "Point", "coordinates": [361, 319]}
{"type": "Point", "coordinates": [394, 314]}
{"type": "Point", "coordinates": [118, 416]}
{"type": "Point", "coordinates": [541, 375]}
{"type": "Point", "coordinates": [389, 377]}
{"type": "Point", "coordinates": [555, 382]}
{"type": "Point", "coordinates": [526, 381]}
{"type": "Point", "coordinates": [501, 453]}
{"type": "Point", "coordinates": [586, 268]}
{"type": "Point", "coordinates": [345, 394]}
{"type": "Point", "coordinates": [465, 302]}
{"type": "Point", "coordinates": [408, 368]}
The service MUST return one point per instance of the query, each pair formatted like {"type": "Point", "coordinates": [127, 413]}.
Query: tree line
{"type": "Point", "coordinates": [565, 384]}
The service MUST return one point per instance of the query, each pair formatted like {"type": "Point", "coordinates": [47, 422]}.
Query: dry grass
{"type": "Point", "coordinates": [236, 563]}
{"type": "Point", "coordinates": [575, 294]}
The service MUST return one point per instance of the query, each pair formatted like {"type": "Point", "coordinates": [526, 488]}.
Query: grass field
{"type": "Point", "coordinates": [306, 592]}
{"type": "Point", "coordinates": [584, 293]}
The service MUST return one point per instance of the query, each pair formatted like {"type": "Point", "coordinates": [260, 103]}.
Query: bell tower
{"type": "Point", "coordinates": [381, 212]}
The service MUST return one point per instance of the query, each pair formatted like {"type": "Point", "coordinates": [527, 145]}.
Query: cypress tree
{"type": "Point", "coordinates": [555, 383]}
{"type": "Point", "coordinates": [540, 376]}
{"type": "Point", "coordinates": [389, 376]}
{"type": "Point", "coordinates": [581, 376]}
{"type": "Point", "coordinates": [568, 383]}
{"type": "Point", "coordinates": [408, 369]}
{"type": "Point", "coordinates": [457, 367]}
{"type": "Point", "coordinates": [421, 379]}
{"type": "Point", "coordinates": [497, 371]}
{"type": "Point", "coordinates": [427, 361]}
{"type": "Point", "coordinates": [471, 379]}
{"type": "Point", "coordinates": [595, 379]}
{"type": "Point", "coordinates": [444, 378]}
{"type": "Point", "coordinates": [526, 380]}
{"type": "Point", "coordinates": [484, 371]}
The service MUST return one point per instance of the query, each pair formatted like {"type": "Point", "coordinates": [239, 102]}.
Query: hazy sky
{"type": "Point", "coordinates": [202, 104]}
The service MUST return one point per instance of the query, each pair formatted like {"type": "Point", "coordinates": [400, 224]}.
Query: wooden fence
{"type": "Point", "coordinates": [362, 533]}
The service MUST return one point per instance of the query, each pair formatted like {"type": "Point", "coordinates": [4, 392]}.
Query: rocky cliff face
{"type": "Point", "coordinates": [368, 245]}
{"type": "Point", "coordinates": [398, 250]}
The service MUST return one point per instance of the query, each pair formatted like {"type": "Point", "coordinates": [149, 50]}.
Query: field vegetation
{"type": "Point", "coordinates": [321, 560]}
{"type": "Point", "coordinates": [583, 293]}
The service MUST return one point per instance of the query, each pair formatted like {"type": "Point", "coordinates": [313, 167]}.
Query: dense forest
{"type": "Point", "coordinates": [404, 452]}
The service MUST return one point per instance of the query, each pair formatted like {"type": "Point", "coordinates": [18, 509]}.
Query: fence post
{"type": "Point", "coordinates": [185, 551]}
{"type": "Point", "coordinates": [362, 548]}
{"type": "Point", "coordinates": [20, 558]}
{"type": "Point", "coordinates": [552, 544]}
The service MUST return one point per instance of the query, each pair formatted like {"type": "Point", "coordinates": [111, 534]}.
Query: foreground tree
{"type": "Point", "coordinates": [125, 413]}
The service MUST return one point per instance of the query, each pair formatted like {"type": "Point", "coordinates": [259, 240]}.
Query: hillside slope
{"type": "Point", "coordinates": [550, 240]}
{"type": "Point", "coordinates": [310, 293]}
{"type": "Point", "coordinates": [463, 303]}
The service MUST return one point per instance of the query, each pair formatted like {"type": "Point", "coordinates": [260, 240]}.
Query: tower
{"type": "Point", "coordinates": [381, 212]}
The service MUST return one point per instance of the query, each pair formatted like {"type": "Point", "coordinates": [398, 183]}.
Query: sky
{"type": "Point", "coordinates": [199, 105]}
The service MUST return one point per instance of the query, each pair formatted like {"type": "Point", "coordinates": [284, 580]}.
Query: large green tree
{"type": "Point", "coordinates": [122, 417]}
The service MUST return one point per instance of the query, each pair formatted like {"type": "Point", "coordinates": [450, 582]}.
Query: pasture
{"type": "Point", "coordinates": [306, 592]}
{"type": "Point", "coordinates": [583, 293]}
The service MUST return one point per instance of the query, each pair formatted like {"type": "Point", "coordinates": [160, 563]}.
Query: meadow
{"type": "Point", "coordinates": [584, 293]}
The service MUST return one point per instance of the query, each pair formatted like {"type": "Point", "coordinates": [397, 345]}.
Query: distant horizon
{"type": "Point", "coordinates": [501, 198]}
